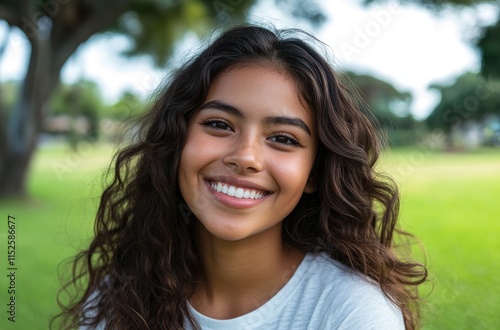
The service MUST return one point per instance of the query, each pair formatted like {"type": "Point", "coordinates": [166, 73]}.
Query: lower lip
{"type": "Point", "coordinates": [233, 202]}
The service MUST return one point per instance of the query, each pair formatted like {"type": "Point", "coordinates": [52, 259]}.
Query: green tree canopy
{"type": "Point", "coordinates": [128, 107]}
{"type": "Point", "coordinates": [82, 99]}
{"type": "Point", "coordinates": [489, 46]}
{"type": "Point", "coordinates": [389, 106]}
{"type": "Point", "coordinates": [469, 98]}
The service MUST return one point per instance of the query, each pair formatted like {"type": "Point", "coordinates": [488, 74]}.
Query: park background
{"type": "Point", "coordinates": [75, 74]}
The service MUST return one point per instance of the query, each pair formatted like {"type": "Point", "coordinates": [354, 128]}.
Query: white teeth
{"type": "Point", "coordinates": [236, 192]}
{"type": "Point", "coordinates": [239, 193]}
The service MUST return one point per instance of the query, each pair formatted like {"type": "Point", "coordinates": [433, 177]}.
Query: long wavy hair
{"type": "Point", "coordinates": [140, 268]}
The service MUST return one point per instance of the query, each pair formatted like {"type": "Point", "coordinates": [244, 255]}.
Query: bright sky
{"type": "Point", "coordinates": [406, 46]}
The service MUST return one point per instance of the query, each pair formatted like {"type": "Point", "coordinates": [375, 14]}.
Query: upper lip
{"type": "Point", "coordinates": [237, 182]}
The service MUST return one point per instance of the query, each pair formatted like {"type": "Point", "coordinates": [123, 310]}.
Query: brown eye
{"type": "Point", "coordinates": [217, 124]}
{"type": "Point", "coordinates": [286, 140]}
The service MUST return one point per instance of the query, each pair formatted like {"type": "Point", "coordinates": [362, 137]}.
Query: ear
{"type": "Point", "coordinates": [310, 186]}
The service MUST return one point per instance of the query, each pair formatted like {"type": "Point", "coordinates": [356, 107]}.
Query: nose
{"type": "Point", "coordinates": [245, 155]}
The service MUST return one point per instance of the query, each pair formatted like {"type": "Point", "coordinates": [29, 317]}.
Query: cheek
{"type": "Point", "coordinates": [292, 174]}
{"type": "Point", "coordinates": [198, 152]}
{"type": "Point", "coordinates": [188, 165]}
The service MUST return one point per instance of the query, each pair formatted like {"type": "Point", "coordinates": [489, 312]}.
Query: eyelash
{"type": "Point", "coordinates": [212, 122]}
{"type": "Point", "coordinates": [295, 143]}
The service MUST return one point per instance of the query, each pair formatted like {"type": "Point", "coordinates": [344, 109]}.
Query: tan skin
{"type": "Point", "coordinates": [253, 133]}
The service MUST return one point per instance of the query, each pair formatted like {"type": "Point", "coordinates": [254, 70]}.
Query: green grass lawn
{"type": "Point", "coordinates": [450, 201]}
{"type": "Point", "coordinates": [52, 225]}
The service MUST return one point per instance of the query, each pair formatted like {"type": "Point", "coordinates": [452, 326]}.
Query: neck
{"type": "Point", "coordinates": [239, 276]}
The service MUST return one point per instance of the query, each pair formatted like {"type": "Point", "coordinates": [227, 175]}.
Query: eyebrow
{"type": "Point", "coordinates": [218, 105]}
{"type": "Point", "coordinates": [292, 121]}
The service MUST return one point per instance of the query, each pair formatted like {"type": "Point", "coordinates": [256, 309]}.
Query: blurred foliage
{"type": "Point", "coordinates": [156, 26]}
{"type": "Point", "coordinates": [489, 46]}
{"type": "Point", "coordinates": [128, 108]}
{"type": "Point", "coordinates": [84, 99]}
{"type": "Point", "coordinates": [469, 98]}
{"type": "Point", "coordinates": [389, 107]}
{"type": "Point", "coordinates": [437, 4]}
{"type": "Point", "coordinates": [81, 100]}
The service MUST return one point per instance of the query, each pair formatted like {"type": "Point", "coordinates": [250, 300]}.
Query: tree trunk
{"type": "Point", "coordinates": [13, 173]}
{"type": "Point", "coordinates": [19, 132]}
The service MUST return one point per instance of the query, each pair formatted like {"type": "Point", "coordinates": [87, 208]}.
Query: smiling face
{"type": "Point", "coordinates": [248, 153]}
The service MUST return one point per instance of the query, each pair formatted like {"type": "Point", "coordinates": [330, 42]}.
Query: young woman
{"type": "Point", "coordinates": [250, 201]}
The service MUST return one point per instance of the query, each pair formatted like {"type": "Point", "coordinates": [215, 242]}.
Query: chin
{"type": "Point", "coordinates": [227, 233]}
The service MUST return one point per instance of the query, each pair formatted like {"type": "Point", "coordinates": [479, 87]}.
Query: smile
{"type": "Point", "coordinates": [237, 192]}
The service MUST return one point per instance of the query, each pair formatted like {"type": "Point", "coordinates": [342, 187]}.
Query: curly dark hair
{"type": "Point", "coordinates": [140, 268]}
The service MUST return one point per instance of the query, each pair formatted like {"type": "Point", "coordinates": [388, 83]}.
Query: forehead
{"type": "Point", "coordinates": [260, 89]}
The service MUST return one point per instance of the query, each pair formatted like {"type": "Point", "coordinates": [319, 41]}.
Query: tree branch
{"type": "Point", "coordinates": [94, 23]}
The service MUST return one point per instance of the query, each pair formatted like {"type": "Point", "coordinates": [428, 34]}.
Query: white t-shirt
{"type": "Point", "coordinates": [321, 294]}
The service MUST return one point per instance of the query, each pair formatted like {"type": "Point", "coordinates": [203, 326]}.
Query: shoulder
{"type": "Point", "coordinates": [89, 312]}
{"type": "Point", "coordinates": [346, 299]}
